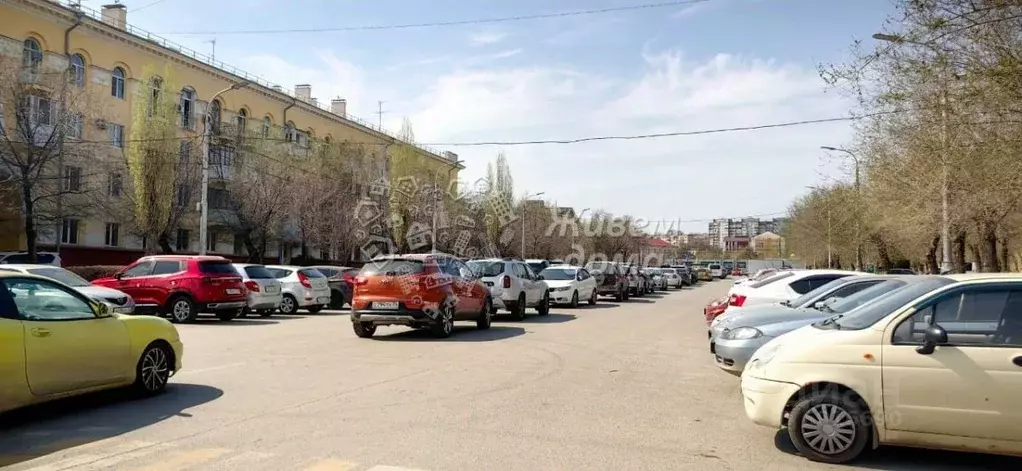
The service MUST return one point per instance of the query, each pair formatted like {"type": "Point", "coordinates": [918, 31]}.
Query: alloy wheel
{"type": "Point", "coordinates": [155, 369]}
{"type": "Point", "coordinates": [182, 310]}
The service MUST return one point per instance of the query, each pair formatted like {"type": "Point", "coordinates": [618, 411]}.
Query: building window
{"type": "Point", "coordinates": [242, 121]}
{"type": "Point", "coordinates": [77, 71]}
{"type": "Point", "coordinates": [182, 239]}
{"type": "Point", "coordinates": [187, 108]}
{"type": "Point", "coordinates": [112, 236]}
{"type": "Point", "coordinates": [39, 110]}
{"type": "Point", "coordinates": [186, 151]}
{"type": "Point", "coordinates": [72, 178]}
{"type": "Point", "coordinates": [116, 185]}
{"type": "Point", "coordinates": [32, 55]}
{"type": "Point", "coordinates": [117, 83]}
{"type": "Point", "coordinates": [116, 132]}
{"type": "Point", "coordinates": [69, 231]}
{"type": "Point", "coordinates": [76, 126]}
{"type": "Point", "coordinates": [290, 133]}
{"type": "Point", "coordinates": [211, 241]}
{"type": "Point", "coordinates": [218, 198]}
{"type": "Point", "coordinates": [181, 195]}
{"type": "Point", "coordinates": [215, 113]}
{"type": "Point", "coordinates": [267, 124]}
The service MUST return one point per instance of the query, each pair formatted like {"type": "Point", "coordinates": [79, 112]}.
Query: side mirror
{"type": "Point", "coordinates": [102, 310]}
{"type": "Point", "coordinates": [935, 335]}
{"type": "Point", "coordinates": [118, 276]}
{"type": "Point", "coordinates": [539, 277]}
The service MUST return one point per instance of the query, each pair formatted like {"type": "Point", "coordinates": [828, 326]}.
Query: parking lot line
{"type": "Point", "coordinates": [331, 464]}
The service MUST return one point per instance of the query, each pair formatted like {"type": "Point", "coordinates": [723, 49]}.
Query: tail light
{"type": "Point", "coordinates": [252, 286]}
{"type": "Point", "coordinates": [737, 300]}
{"type": "Point", "coordinates": [349, 279]}
{"type": "Point", "coordinates": [304, 280]}
{"type": "Point", "coordinates": [506, 281]}
{"type": "Point", "coordinates": [360, 280]}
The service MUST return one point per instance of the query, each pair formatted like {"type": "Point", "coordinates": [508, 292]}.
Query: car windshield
{"type": "Point", "coordinates": [312, 273]}
{"type": "Point", "coordinates": [61, 275]}
{"type": "Point", "coordinates": [393, 266]}
{"type": "Point", "coordinates": [217, 268]}
{"type": "Point", "coordinates": [871, 312]}
{"type": "Point", "coordinates": [558, 273]}
{"type": "Point", "coordinates": [767, 281]}
{"type": "Point", "coordinates": [601, 266]}
{"type": "Point", "coordinates": [258, 272]}
{"type": "Point", "coordinates": [484, 268]}
{"type": "Point", "coordinates": [714, 267]}
{"type": "Point", "coordinates": [815, 294]}
{"type": "Point", "coordinates": [537, 267]}
{"type": "Point", "coordinates": [653, 271]}
{"type": "Point", "coordinates": [855, 300]}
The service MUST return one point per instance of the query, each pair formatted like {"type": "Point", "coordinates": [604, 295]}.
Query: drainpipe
{"type": "Point", "coordinates": [60, 137]}
{"type": "Point", "coordinates": [280, 250]}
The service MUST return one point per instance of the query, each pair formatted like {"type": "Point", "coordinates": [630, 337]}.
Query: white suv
{"type": "Point", "coordinates": [513, 286]}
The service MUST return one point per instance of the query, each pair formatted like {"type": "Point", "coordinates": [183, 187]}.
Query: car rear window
{"type": "Point", "coordinates": [767, 281]}
{"type": "Point", "coordinates": [22, 258]}
{"type": "Point", "coordinates": [217, 268]}
{"type": "Point", "coordinates": [393, 267]}
{"type": "Point", "coordinates": [258, 272]}
{"type": "Point", "coordinates": [486, 268]}
{"type": "Point", "coordinates": [312, 273]}
{"type": "Point", "coordinates": [714, 267]}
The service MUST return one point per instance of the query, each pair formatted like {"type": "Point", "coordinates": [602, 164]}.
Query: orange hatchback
{"type": "Point", "coordinates": [424, 291]}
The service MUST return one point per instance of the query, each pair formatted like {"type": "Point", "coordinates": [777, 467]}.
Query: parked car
{"type": "Point", "coordinates": [302, 288]}
{"type": "Point", "coordinates": [537, 265]}
{"type": "Point", "coordinates": [77, 345]}
{"type": "Point", "coordinates": [900, 271]}
{"type": "Point", "coordinates": [716, 271]}
{"type": "Point", "coordinates": [423, 291]}
{"type": "Point", "coordinates": [934, 365]}
{"type": "Point", "coordinates": [671, 278]}
{"type": "Point", "coordinates": [783, 286]}
{"type": "Point", "coordinates": [703, 274]}
{"type": "Point", "coordinates": [117, 301]}
{"type": "Point", "coordinates": [611, 279]}
{"type": "Point", "coordinates": [569, 284]}
{"type": "Point", "coordinates": [658, 282]}
{"type": "Point", "coordinates": [181, 286]}
{"type": "Point", "coordinates": [733, 341]}
{"type": "Point", "coordinates": [513, 286]}
{"type": "Point", "coordinates": [714, 309]}
{"type": "Point", "coordinates": [339, 279]}
{"type": "Point", "coordinates": [42, 258]}
{"type": "Point", "coordinates": [264, 290]}
{"type": "Point", "coordinates": [636, 282]}
{"type": "Point", "coordinates": [758, 276]}
{"type": "Point", "coordinates": [687, 278]}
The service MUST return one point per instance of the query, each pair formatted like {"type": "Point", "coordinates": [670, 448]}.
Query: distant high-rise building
{"type": "Point", "coordinates": [722, 230]}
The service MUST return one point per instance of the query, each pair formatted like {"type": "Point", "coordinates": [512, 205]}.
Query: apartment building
{"type": "Point", "coordinates": [105, 58]}
{"type": "Point", "coordinates": [722, 231]}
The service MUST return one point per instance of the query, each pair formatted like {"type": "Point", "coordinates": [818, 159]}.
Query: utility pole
{"type": "Point", "coordinates": [212, 55]}
{"type": "Point", "coordinates": [830, 258]}
{"type": "Point", "coordinates": [379, 113]}
{"type": "Point", "coordinates": [207, 133]}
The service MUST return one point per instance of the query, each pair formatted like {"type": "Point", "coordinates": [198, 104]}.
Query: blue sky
{"type": "Point", "coordinates": [720, 63]}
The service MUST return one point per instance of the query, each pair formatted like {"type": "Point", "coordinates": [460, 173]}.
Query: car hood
{"type": "Point", "coordinates": [100, 292]}
{"type": "Point", "coordinates": [558, 283]}
{"type": "Point", "coordinates": [781, 323]}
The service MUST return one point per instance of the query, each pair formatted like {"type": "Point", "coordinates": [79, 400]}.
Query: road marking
{"type": "Point", "coordinates": [186, 459]}
{"type": "Point", "coordinates": [109, 448]}
{"type": "Point", "coordinates": [332, 464]}
{"type": "Point", "coordinates": [392, 468]}
{"type": "Point", "coordinates": [212, 368]}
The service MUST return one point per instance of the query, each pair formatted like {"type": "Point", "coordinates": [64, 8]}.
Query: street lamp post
{"type": "Point", "coordinates": [525, 206]}
{"type": "Point", "coordinates": [204, 198]}
{"type": "Point", "coordinates": [858, 198]}
{"type": "Point", "coordinates": [437, 200]}
{"type": "Point", "coordinates": [945, 183]}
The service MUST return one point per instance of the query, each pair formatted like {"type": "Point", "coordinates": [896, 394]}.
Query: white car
{"type": "Point", "coordinates": [782, 286]}
{"type": "Point", "coordinates": [570, 284]}
{"type": "Point", "coordinates": [716, 271]}
{"type": "Point", "coordinates": [672, 276]}
{"type": "Point", "coordinates": [118, 301]}
{"type": "Point", "coordinates": [513, 286]}
{"type": "Point", "coordinates": [21, 258]}
{"type": "Point", "coordinates": [759, 275]}
{"type": "Point", "coordinates": [264, 290]}
{"type": "Point", "coordinates": [301, 288]}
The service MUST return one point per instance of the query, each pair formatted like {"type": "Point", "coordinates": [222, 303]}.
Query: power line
{"type": "Point", "coordinates": [505, 19]}
{"type": "Point", "coordinates": [143, 7]}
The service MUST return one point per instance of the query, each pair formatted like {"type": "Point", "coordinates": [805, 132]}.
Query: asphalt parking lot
{"type": "Point", "coordinates": [615, 386]}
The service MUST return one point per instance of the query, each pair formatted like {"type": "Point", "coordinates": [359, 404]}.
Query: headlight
{"type": "Point", "coordinates": [765, 354]}
{"type": "Point", "coordinates": [742, 333]}
{"type": "Point", "coordinates": [564, 288]}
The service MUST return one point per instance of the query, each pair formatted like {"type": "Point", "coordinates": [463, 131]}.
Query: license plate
{"type": "Point", "coordinates": [385, 305]}
{"type": "Point", "coordinates": [233, 291]}
{"type": "Point", "coordinates": [272, 289]}
{"type": "Point", "coordinates": [323, 299]}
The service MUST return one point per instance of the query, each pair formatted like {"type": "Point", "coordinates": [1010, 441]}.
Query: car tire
{"type": "Point", "coordinates": [288, 305]}
{"type": "Point", "coordinates": [265, 312]}
{"type": "Point", "coordinates": [619, 296]}
{"type": "Point", "coordinates": [627, 294]}
{"type": "Point", "coordinates": [314, 309]}
{"type": "Point", "coordinates": [810, 418]}
{"type": "Point", "coordinates": [444, 325]}
{"type": "Point", "coordinates": [153, 369]}
{"type": "Point", "coordinates": [518, 310]}
{"type": "Point", "coordinates": [486, 316]}
{"type": "Point", "coordinates": [228, 314]}
{"type": "Point", "coordinates": [182, 309]}
{"type": "Point", "coordinates": [363, 330]}
{"type": "Point", "coordinates": [592, 299]}
{"type": "Point", "coordinates": [244, 313]}
{"type": "Point", "coordinates": [543, 308]}
{"type": "Point", "coordinates": [574, 300]}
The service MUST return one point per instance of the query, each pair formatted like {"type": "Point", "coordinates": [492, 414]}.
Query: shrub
{"type": "Point", "coordinates": [92, 272]}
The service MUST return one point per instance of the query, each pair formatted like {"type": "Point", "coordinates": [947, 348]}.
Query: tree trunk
{"type": "Point", "coordinates": [254, 254]}
{"type": "Point", "coordinates": [931, 256]}
{"type": "Point", "coordinates": [958, 252]}
{"type": "Point", "coordinates": [883, 253]}
{"type": "Point", "coordinates": [974, 250]}
{"type": "Point", "coordinates": [164, 241]}
{"type": "Point", "coordinates": [30, 232]}
{"type": "Point", "coordinates": [1004, 255]}
{"type": "Point", "coordinates": [988, 246]}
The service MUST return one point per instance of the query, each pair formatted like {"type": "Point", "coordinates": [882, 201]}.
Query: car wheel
{"type": "Point", "coordinates": [288, 305]}
{"type": "Point", "coordinates": [574, 299]}
{"type": "Point", "coordinates": [830, 427]}
{"type": "Point", "coordinates": [153, 369]}
{"type": "Point", "coordinates": [363, 329]}
{"type": "Point", "coordinates": [485, 317]}
{"type": "Point", "coordinates": [315, 309]}
{"type": "Point", "coordinates": [626, 294]}
{"type": "Point", "coordinates": [592, 299]}
{"type": "Point", "coordinates": [444, 325]}
{"type": "Point", "coordinates": [228, 314]}
{"type": "Point", "coordinates": [619, 296]}
{"type": "Point", "coordinates": [543, 308]}
{"type": "Point", "coordinates": [182, 309]}
{"type": "Point", "coordinates": [518, 311]}
{"type": "Point", "coordinates": [265, 312]}
{"type": "Point", "coordinates": [243, 313]}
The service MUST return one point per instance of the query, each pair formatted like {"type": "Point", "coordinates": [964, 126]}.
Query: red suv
{"type": "Point", "coordinates": [181, 286]}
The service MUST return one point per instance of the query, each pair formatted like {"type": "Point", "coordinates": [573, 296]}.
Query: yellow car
{"type": "Point", "coordinates": [56, 342]}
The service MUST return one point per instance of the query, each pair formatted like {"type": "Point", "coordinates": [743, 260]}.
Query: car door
{"type": "Point", "coordinates": [157, 286]}
{"type": "Point", "coordinates": [969, 386]}
{"type": "Point", "coordinates": [134, 281]}
{"type": "Point", "coordinates": [587, 284]}
{"type": "Point", "coordinates": [468, 288]}
{"type": "Point", "coordinates": [68, 347]}
{"type": "Point", "coordinates": [14, 389]}
{"type": "Point", "coordinates": [536, 288]}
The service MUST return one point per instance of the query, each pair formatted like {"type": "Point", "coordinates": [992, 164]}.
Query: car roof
{"type": "Point", "coordinates": [201, 258]}
{"type": "Point", "coordinates": [978, 277]}
{"type": "Point", "coordinates": [564, 265]}
{"type": "Point", "coordinates": [9, 274]}
{"type": "Point", "coordinates": [26, 266]}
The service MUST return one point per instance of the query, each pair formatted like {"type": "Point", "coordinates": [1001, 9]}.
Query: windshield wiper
{"type": "Point", "coordinates": [824, 308]}
{"type": "Point", "coordinates": [832, 321]}
{"type": "Point", "coordinates": [786, 303]}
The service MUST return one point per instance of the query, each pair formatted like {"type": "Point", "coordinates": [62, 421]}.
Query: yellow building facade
{"type": "Point", "coordinates": [111, 56]}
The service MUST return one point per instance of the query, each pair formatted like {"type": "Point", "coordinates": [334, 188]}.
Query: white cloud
{"type": "Point", "coordinates": [331, 78]}
{"type": "Point", "coordinates": [488, 37]}
{"type": "Point", "coordinates": [506, 54]}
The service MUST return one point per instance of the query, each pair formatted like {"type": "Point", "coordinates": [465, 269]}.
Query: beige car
{"type": "Point", "coordinates": [937, 364]}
